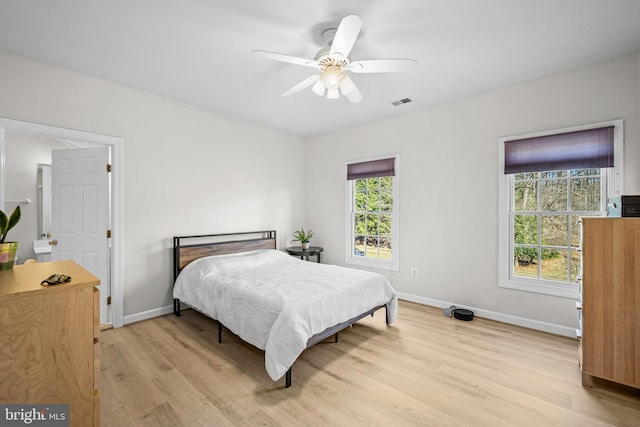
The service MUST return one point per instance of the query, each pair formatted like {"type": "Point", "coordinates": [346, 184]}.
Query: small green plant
{"type": "Point", "coordinates": [7, 223]}
{"type": "Point", "coordinates": [302, 236]}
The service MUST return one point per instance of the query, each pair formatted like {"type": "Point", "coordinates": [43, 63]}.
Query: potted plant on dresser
{"type": "Point", "coordinates": [304, 237]}
{"type": "Point", "coordinates": [8, 249]}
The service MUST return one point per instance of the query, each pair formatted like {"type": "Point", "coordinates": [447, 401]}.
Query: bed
{"type": "Point", "coordinates": [276, 302]}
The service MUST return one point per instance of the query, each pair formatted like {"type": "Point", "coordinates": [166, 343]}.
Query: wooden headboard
{"type": "Point", "coordinates": [190, 248]}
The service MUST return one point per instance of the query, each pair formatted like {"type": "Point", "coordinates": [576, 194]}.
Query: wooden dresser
{"type": "Point", "coordinates": [49, 348]}
{"type": "Point", "coordinates": [610, 300]}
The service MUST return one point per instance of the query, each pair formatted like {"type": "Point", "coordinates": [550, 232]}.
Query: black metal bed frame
{"type": "Point", "coordinates": [232, 246]}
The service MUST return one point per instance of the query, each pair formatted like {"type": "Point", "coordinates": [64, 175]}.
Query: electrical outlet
{"type": "Point", "coordinates": [414, 272]}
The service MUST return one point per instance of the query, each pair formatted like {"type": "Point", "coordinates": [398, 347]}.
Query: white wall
{"type": "Point", "coordinates": [187, 170]}
{"type": "Point", "coordinates": [192, 171]}
{"type": "Point", "coordinates": [449, 182]}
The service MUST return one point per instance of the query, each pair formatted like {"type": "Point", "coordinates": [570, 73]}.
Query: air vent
{"type": "Point", "coordinates": [400, 102]}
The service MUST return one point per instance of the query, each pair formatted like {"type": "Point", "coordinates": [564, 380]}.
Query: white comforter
{"type": "Point", "coordinates": [277, 302]}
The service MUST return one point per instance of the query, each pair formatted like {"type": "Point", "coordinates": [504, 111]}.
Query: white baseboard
{"type": "Point", "coordinates": [487, 314]}
{"type": "Point", "coordinates": [500, 317]}
{"type": "Point", "coordinates": [156, 312]}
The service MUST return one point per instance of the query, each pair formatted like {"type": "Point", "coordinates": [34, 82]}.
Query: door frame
{"type": "Point", "coordinates": [117, 195]}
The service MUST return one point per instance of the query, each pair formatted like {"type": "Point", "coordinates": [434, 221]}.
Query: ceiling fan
{"type": "Point", "coordinates": [333, 62]}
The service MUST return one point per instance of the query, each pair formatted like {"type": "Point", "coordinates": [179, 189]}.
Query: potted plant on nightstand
{"type": "Point", "coordinates": [8, 249]}
{"type": "Point", "coordinates": [304, 237]}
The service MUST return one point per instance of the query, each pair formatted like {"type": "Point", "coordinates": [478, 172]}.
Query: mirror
{"type": "Point", "coordinates": [27, 162]}
{"type": "Point", "coordinates": [44, 200]}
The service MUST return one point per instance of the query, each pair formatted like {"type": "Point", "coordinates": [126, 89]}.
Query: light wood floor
{"type": "Point", "coordinates": [425, 369]}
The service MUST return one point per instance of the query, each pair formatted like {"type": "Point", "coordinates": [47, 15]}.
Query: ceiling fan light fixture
{"type": "Point", "coordinates": [319, 87]}
{"type": "Point", "coordinates": [346, 85]}
{"type": "Point", "coordinates": [334, 64]}
{"type": "Point", "coordinates": [333, 94]}
{"type": "Point", "coordinates": [332, 76]}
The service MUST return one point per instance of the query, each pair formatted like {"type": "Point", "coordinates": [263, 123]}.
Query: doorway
{"type": "Point", "coordinates": [84, 139]}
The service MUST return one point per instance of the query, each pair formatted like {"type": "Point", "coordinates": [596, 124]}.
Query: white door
{"type": "Point", "coordinates": [80, 213]}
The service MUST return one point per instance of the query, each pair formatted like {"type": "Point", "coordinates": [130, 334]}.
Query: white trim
{"type": "Point", "coordinates": [149, 314]}
{"type": "Point", "coordinates": [499, 317]}
{"type": "Point", "coordinates": [117, 157]}
{"type": "Point", "coordinates": [569, 290]}
{"type": "Point", "coordinates": [117, 235]}
{"type": "Point", "coordinates": [2, 160]}
{"type": "Point", "coordinates": [393, 265]}
{"type": "Point", "coordinates": [614, 178]}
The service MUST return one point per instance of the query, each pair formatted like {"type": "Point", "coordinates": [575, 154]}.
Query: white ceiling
{"type": "Point", "coordinates": [198, 51]}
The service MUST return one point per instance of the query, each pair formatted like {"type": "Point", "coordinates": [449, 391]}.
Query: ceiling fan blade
{"type": "Point", "coordinates": [382, 65]}
{"type": "Point", "coordinates": [285, 58]}
{"type": "Point", "coordinates": [303, 84]}
{"type": "Point", "coordinates": [350, 90]}
{"type": "Point", "coordinates": [346, 35]}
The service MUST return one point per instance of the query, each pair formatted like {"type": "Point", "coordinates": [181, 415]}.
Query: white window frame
{"type": "Point", "coordinates": [614, 187]}
{"type": "Point", "coordinates": [394, 263]}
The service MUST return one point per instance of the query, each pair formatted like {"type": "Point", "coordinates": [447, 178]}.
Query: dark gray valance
{"type": "Point", "coordinates": [584, 149]}
{"type": "Point", "coordinates": [371, 169]}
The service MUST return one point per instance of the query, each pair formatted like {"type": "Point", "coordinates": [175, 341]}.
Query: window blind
{"type": "Point", "coordinates": [371, 169]}
{"type": "Point", "coordinates": [590, 148]}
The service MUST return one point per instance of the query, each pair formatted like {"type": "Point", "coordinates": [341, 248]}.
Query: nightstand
{"type": "Point", "coordinates": [305, 253]}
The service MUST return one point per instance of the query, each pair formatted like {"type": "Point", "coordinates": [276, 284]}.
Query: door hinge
{"type": "Point", "coordinates": [108, 234]}
{"type": "Point", "coordinates": [108, 167]}
{"type": "Point", "coordinates": [108, 300]}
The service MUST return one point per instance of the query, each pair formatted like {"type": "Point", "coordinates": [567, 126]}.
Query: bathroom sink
{"type": "Point", "coordinates": [41, 246]}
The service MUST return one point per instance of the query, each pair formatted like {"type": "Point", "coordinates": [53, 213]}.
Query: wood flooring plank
{"type": "Point", "coordinates": [424, 370]}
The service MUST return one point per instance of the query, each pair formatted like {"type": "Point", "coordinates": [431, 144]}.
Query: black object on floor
{"type": "Point", "coordinates": [463, 314]}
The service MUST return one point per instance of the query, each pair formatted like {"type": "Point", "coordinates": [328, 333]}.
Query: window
{"type": "Point", "coordinates": [550, 180]}
{"type": "Point", "coordinates": [544, 220]}
{"type": "Point", "coordinates": [372, 238]}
